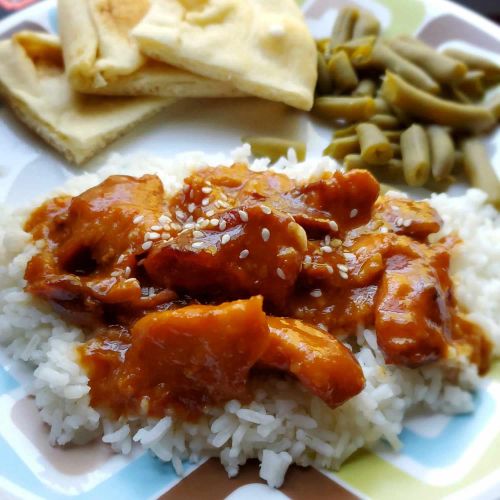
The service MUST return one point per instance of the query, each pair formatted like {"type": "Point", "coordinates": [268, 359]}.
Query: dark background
{"type": "Point", "coordinates": [489, 8]}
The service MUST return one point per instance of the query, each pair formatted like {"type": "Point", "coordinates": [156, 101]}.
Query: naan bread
{"type": "Point", "coordinates": [263, 47]}
{"type": "Point", "coordinates": [33, 82]}
{"type": "Point", "coordinates": [101, 57]}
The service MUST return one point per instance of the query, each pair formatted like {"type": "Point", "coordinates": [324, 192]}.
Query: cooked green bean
{"type": "Point", "coordinates": [472, 85]}
{"type": "Point", "coordinates": [341, 147]}
{"type": "Point", "coordinates": [416, 156]}
{"type": "Point", "coordinates": [351, 46]}
{"type": "Point", "coordinates": [390, 172]}
{"type": "Point", "coordinates": [323, 45]}
{"type": "Point", "coordinates": [344, 25]}
{"type": "Point", "coordinates": [352, 109]}
{"type": "Point", "coordinates": [341, 72]}
{"type": "Point", "coordinates": [345, 131]}
{"type": "Point", "coordinates": [381, 106]}
{"type": "Point", "coordinates": [365, 87]}
{"type": "Point", "coordinates": [479, 169]}
{"type": "Point", "coordinates": [494, 105]}
{"type": "Point", "coordinates": [366, 24]}
{"type": "Point", "coordinates": [442, 68]}
{"type": "Point", "coordinates": [324, 84]}
{"type": "Point", "coordinates": [442, 152]}
{"type": "Point", "coordinates": [491, 69]}
{"type": "Point", "coordinates": [375, 147]}
{"type": "Point", "coordinates": [383, 57]}
{"type": "Point", "coordinates": [274, 148]}
{"type": "Point", "coordinates": [384, 121]}
{"type": "Point", "coordinates": [400, 94]}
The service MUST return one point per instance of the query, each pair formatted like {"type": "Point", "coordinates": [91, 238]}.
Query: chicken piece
{"type": "Point", "coordinates": [91, 241]}
{"type": "Point", "coordinates": [412, 310]}
{"type": "Point", "coordinates": [255, 252]}
{"type": "Point", "coordinates": [198, 355]}
{"type": "Point", "coordinates": [318, 360]}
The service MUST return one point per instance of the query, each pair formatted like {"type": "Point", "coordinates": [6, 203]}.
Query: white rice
{"type": "Point", "coordinates": [285, 424]}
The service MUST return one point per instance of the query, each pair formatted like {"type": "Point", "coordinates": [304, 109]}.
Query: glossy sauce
{"type": "Point", "coordinates": [186, 298]}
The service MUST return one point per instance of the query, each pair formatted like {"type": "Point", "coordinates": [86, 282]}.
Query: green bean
{"type": "Point", "coordinates": [411, 100]}
{"type": "Point", "coordinates": [442, 68]}
{"type": "Point", "coordinates": [352, 109]}
{"type": "Point", "coordinates": [416, 156]}
{"type": "Point", "coordinates": [490, 68]}
{"type": "Point", "coordinates": [375, 147]}
{"type": "Point", "coordinates": [341, 147]}
{"type": "Point", "coordinates": [366, 24]}
{"type": "Point", "coordinates": [381, 106]}
{"type": "Point", "coordinates": [442, 152]}
{"type": "Point", "coordinates": [274, 148]}
{"type": "Point", "coordinates": [323, 45]}
{"type": "Point", "coordinates": [365, 87]}
{"type": "Point", "coordinates": [341, 72]}
{"type": "Point", "coordinates": [472, 85]}
{"type": "Point", "coordinates": [345, 131]}
{"type": "Point", "coordinates": [479, 169]}
{"type": "Point", "coordinates": [344, 25]}
{"type": "Point", "coordinates": [494, 105]}
{"type": "Point", "coordinates": [384, 121]}
{"type": "Point", "coordinates": [390, 172]}
{"type": "Point", "coordinates": [365, 43]}
{"type": "Point", "coordinates": [383, 57]}
{"type": "Point", "coordinates": [324, 84]}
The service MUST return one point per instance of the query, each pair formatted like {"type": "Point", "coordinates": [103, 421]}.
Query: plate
{"type": "Point", "coordinates": [453, 457]}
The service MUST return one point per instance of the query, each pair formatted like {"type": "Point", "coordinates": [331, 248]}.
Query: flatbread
{"type": "Point", "coordinates": [101, 57]}
{"type": "Point", "coordinates": [262, 46]}
{"type": "Point", "coordinates": [33, 82]}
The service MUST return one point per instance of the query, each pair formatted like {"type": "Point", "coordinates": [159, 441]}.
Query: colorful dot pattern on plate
{"type": "Point", "coordinates": [441, 455]}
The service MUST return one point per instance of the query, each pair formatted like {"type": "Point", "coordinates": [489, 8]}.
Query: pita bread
{"type": "Point", "coordinates": [101, 57]}
{"type": "Point", "coordinates": [262, 46]}
{"type": "Point", "coordinates": [33, 81]}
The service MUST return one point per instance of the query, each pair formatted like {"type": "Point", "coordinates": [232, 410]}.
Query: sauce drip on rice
{"type": "Point", "coordinates": [189, 300]}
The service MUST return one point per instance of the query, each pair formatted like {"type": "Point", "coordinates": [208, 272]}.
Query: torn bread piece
{"type": "Point", "coordinates": [101, 57]}
{"type": "Point", "coordinates": [262, 47]}
{"type": "Point", "coordinates": [33, 82]}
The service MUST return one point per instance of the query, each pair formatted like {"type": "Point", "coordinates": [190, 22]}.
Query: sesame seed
{"type": "Point", "coordinates": [163, 219]}
{"type": "Point", "coordinates": [204, 223]}
{"type": "Point", "coordinates": [342, 268]}
{"type": "Point", "coordinates": [353, 213]}
{"type": "Point", "coordinates": [243, 215]}
{"type": "Point", "coordinates": [223, 204]}
{"type": "Point", "coordinates": [191, 208]}
{"type": "Point", "coordinates": [223, 196]}
{"type": "Point", "coordinates": [176, 227]}
{"type": "Point", "coordinates": [384, 229]}
{"type": "Point", "coordinates": [115, 274]}
{"type": "Point", "coordinates": [307, 259]}
{"type": "Point", "coordinates": [225, 239]}
{"type": "Point", "coordinates": [280, 273]}
{"type": "Point", "coordinates": [266, 209]}
{"type": "Point", "coordinates": [120, 259]}
{"type": "Point", "coordinates": [333, 225]}
{"type": "Point", "coordinates": [344, 275]}
{"type": "Point", "coordinates": [326, 249]}
{"type": "Point", "coordinates": [205, 202]}
{"type": "Point", "coordinates": [266, 234]}
{"type": "Point", "coordinates": [147, 245]}
{"type": "Point", "coordinates": [316, 293]}
{"type": "Point", "coordinates": [154, 236]}
{"type": "Point", "coordinates": [146, 236]}
{"type": "Point", "coordinates": [214, 222]}
{"type": "Point", "coordinates": [206, 190]}
{"type": "Point", "coordinates": [180, 214]}
{"type": "Point", "coordinates": [407, 223]}
{"type": "Point", "coordinates": [127, 272]}
{"type": "Point", "coordinates": [399, 221]}
{"type": "Point", "coordinates": [349, 256]}
{"type": "Point", "coordinates": [197, 234]}
{"type": "Point", "coordinates": [210, 213]}
{"type": "Point", "coordinates": [138, 219]}
{"type": "Point", "coordinates": [329, 269]}
{"type": "Point", "coordinates": [217, 204]}
{"type": "Point", "coordinates": [189, 225]}
{"type": "Point", "coordinates": [197, 244]}
{"type": "Point", "coordinates": [165, 236]}
{"type": "Point", "coordinates": [244, 254]}
{"type": "Point", "coordinates": [222, 225]}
